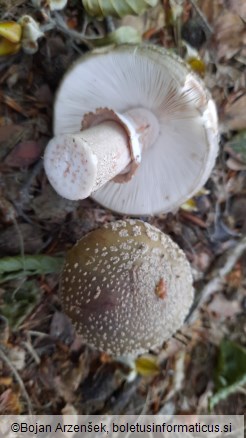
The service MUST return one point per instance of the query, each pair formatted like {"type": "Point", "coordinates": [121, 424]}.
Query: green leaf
{"type": "Point", "coordinates": [18, 305]}
{"type": "Point", "coordinates": [238, 146]}
{"type": "Point", "coordinates": [123, 35]}
{"type": "Point", "coordinates": [117, 8]}
{"type": "Point", "coordinates": [15, 267]}
{"type": "Point", "coordinates": [231, 371]}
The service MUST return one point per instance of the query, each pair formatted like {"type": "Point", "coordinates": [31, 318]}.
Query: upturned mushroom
{"type": "Point", "coordinates": [127, 287]}
{"type": "Point", "coordinates": [134, 128]}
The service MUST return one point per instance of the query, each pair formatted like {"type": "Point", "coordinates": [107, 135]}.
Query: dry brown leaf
{"type": "Point", "coordinates": [24, 154]}
{"type": "Point", "coordinates": [9, 130]}
{"type": "Point", "coordinates": [61, 328]}
{"type": "Point", "coordinates": [6, 381]}
{"type": "Point", "coordinates": [229, 34]}
{"type": "Point", "coordinates": [13, 104]}
{"type": "Point", "coordinates": [50, 206]}
{"type": "Point", "coordinates": [237, 6]}
{"type": "Point", "coordinates": [70, 379]}
{"type": "Point", "coordinates": [211, 9]}
{"type": "Point", "coordinates": [10, 402]}
{"type": "Point", "coordinates": [235, 114]}
{"type": "Point", "coordinates": [223, 308]}
{"type": "Point", "coordinates": [154, 18]}
{"type": "Point", "coordinates": [10, 242]}
{"type": "Point", "coordinates": [7, 211]}
{"type": "Point", "coordinates": [234, 164]}
{"type": "Point", "coordinates": [235, 278]}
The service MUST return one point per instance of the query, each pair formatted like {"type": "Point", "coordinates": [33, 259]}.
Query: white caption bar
{"type": "Point", "coordinates": [131, 426]}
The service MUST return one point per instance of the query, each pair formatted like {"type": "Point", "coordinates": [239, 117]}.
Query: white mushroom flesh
{"type": "Point", "coordinates": [114, 147]}
{"type": "Point", "coordinates": [76, 165]}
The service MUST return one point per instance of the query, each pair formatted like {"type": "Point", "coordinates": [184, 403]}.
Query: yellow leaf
{"type": "Point", "coordinates": [189, 205]}
{"type": "Point", "coordinates": [202, 191]}
{"type": "Point", "coordinates": [11, 31]}
{"type": "Point", "coordinates": [8, 48]}
{"type": "Point", "coordinates": [147, 365]}
{"type": "Point", "coordinates": [197, 65]}
{"type": "Point", "coordinates": [6, 381]}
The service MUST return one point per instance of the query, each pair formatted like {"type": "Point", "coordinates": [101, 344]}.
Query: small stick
{"type": "Point", "coordinates": [207, 28]}
{"type": "Point", "coordinates": [218, 277]}
{"type": "Point", "coordinates": [32, 352]}
{"type": "Point", "coordinates": [19, 380]}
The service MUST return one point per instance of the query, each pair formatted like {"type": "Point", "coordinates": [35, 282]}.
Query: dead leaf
{"type": "Point", "coordinates": [17, 357]}
{"type": "Point", "coordinates": [235, 278]}
{"type": "Point", "coordinates": [10, 240]}
{"type": "Point", "coordinates": [10, 403]}
{"type": "Point", "coordinates": [211, 9]}
{"type": "Point", "coordinates": [49, 205]}
{"type": "Point", "coordinates": [24, 154]}
{"type": "Point", "coordinates": [9, 130]}
{"type": "Point", "coordinates": [234, 164]}
{"type": "Point", "coordinates": [229, 34]}
{"type": "Point", "coordinates": [222, 308]}
{"type": "Point", "coordinates": [6, 381]}
{"type": "Point", "coordinates": [7, 212]}
{"type": "Point", "coordinates": [61, 328]}
{"type": "Point", "coordinates": [235, 114]}
{"type": "Point", "coordinates": [237, 6]}
{"type": "Point", "coordinates": [13, 104]}
{"type": "Point", "coordinates": [72, 376]}
{"type": "Point", "coordinates": [154, 18]}
{"type": "Point", "coordinates": [12, 134]}
{"type": "Point", "coordinates": [44, 94]}
{"type": "Point", "coordinates": [238, 213]}
{"type": "Point", "coordinates": [4, 331]}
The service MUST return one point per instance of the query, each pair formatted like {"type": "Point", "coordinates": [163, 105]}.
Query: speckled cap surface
{"type": "Point", "coordinates": [127, 287]}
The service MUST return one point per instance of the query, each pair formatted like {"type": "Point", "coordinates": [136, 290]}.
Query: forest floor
{"type": "Point", "coordinates": [44, 367]}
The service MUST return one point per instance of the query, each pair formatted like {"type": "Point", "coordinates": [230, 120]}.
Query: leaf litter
{"type": "Point", "coordinates": [44, 366]}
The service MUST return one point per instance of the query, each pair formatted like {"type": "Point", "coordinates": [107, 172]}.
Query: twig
{"type": "Point", "coordinates": [206, 26]}
{"type": "Point", "coordinates": [218, 277]}
{"type": "Point", "coordinates": [19, 380]}
{"type": "Point", "coordinates": [32, 352]}
{"type": "Point", "coordinates": [25, 189]}
{"type": "Point", "coordinates": [38, 334]}
{"type": "Point", "coordinates": [60, 24]}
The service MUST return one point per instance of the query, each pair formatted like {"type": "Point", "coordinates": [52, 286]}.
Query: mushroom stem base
{"type": "Point", "coordinates": [109, 147]}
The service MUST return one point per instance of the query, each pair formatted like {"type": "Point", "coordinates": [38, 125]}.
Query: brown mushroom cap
{"type": "Point", "coordinates": [127, 287]}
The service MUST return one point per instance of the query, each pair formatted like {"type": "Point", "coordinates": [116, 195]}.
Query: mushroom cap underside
{"type": "Point", "coordinates": [179, 163]}
{"type": "Point", "coordinates": [127, 287]}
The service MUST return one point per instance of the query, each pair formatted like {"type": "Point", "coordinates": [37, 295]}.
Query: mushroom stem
{"type": "Point", "coordinates": [79, 164]}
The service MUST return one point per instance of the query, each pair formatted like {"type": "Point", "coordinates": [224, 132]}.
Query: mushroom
{"type": "Point", "coordinates": [127, 287]}
{"type": "Point", "coordinates": [134, 128]}
{"type": "Point", "coordinates": [30, 34]}
{"type": "Point", "coordinates": [57, 5]}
